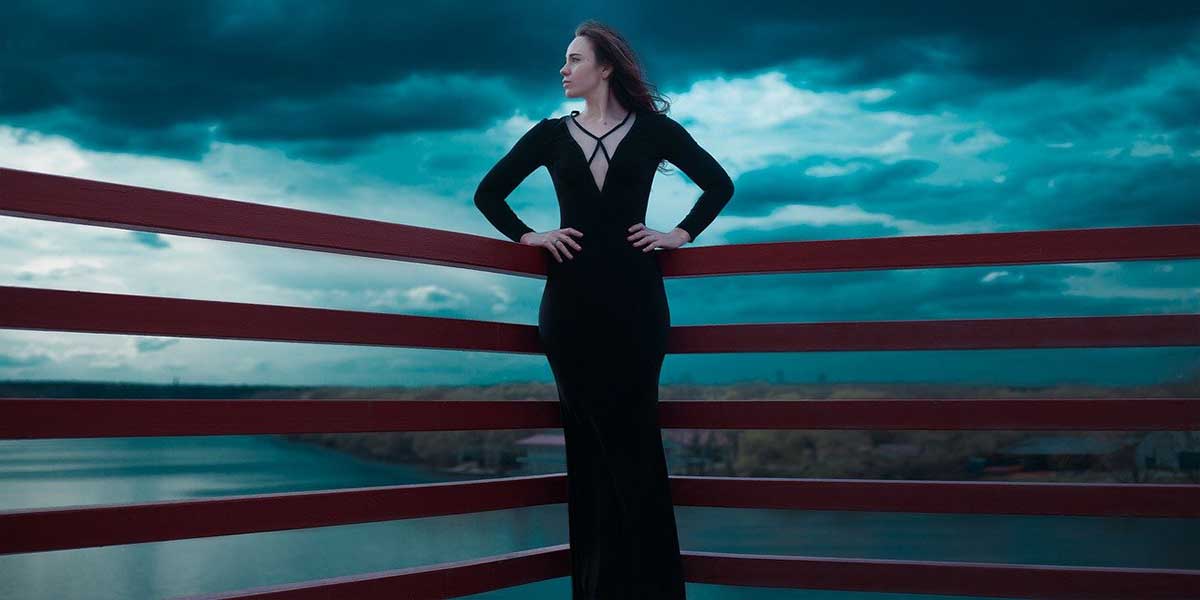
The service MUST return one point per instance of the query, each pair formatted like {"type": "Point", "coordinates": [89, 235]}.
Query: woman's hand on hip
{"type": "Point", "coordinates": [652, 238]}
{"type": "Point", "coordinates": [555, 240]}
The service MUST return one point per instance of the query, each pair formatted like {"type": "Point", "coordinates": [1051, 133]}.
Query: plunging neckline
{"type": "Point", "coordinates": [599, 144]}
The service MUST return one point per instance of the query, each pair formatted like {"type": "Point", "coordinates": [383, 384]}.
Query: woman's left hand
{"type": "Point", "coordinates": [652, 238]}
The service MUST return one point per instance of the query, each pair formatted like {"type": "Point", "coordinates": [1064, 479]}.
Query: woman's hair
{"type": "Point", "coordinates": [628, 80]}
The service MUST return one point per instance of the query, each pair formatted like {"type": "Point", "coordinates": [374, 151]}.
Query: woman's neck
{"type": "Point", "coordinates": [603, 112]}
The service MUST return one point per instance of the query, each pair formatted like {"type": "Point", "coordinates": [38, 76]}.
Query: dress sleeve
{"type": "Point", "coordinates": [491, 196]}
{"type": "Point", "coordinates": [682, 150]}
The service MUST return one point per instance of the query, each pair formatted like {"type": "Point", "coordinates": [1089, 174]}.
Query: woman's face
{"type": "Point", "coordinates": [581, 75]}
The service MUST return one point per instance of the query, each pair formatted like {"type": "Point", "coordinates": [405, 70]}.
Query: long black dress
{"type": "Point", "coordinates": [603, 323]}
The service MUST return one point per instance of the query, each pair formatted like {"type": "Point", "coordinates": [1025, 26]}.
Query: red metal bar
{"type": "Point", "coordinates": [977, 414]}
{"type": "Point", "coordinates": [962, 497]}
{"type": "Point", "coordinates": [96, 312]}
{"type": "Point", "coordinates": [1160, 242]}
{"type": "Point", "coordinates": [1051, 582]}
{"type": "Point", "coordinates": [38, 530]}
{"type": "Point", "coordinates": [37, 418]}
{"type": "Point", "coordinates": [72, 200]}
{"type": "Point", "coordinates": [938, 577]}
{"type": "Point", "coordinates": [940, 334]}
{"type": "Point", "coordinates": [29, 418]}
{"type": "Point", "coordinates": [446, 580]}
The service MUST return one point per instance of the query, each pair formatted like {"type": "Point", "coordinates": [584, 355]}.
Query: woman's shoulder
{"type": "Point", "coordinates": [661, 123]}
{"type": "Point", "coordinates": [549, 125]}
{"type": "Point", "coordinates": [665, 120]}
{"type": "Point", "coordinates": [661, 126]}
{"type": "Point", "coordinates": [542, 130]}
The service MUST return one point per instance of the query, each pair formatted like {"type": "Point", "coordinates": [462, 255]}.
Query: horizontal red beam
{"type": "Point", "coordinates": [37, 418]}
{"type": "Point", "coordinates": [99, 312]}
{"type": "Point", "coordinates": [73, 200]}
{"type": "Point", "coordinates": [29, 418]}
{"type": "Point", "coordinates": [978, 414]}
{"type": "Point", "coordinates": [1159, 242]}
{"type": "Point", "coordinates": [38, 530]}
{"type": "Point", "coordinates": [445, 580]}
{"type": "Point", "coordinates": [923, 496]}
{"type": "Point", "coordinates": [1050, 582]}
{"type": "Point", "coordinates": [941, 334]}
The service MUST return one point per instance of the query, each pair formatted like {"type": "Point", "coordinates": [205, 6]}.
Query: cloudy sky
{"type": "Point", "coordinates": [836, 120]}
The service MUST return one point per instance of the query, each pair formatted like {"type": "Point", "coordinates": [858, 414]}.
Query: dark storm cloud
{"type": "Point", "coordinates": [793, 233]}
{"type": "Point", "coordinates": [1134, 191]}
{"type": "Point", "coordinates": [149, 239]}
{"type": "Point", "coordinates": [1001, 291]}
{"type": "Point", "coordinates": [970, 47]}
{"type": "Point", "coordinates": [252, 71]}
{"type": "Point", "coordinates": [876, 187]}
{"type": "Point", "coordinates": [147, 345]}
{"type": "Point", "coordinates": [9, 361]}
{"type": "Point", "coordinates": [363, 113]}
{"type": "Point", "coordinates": [1178, 106]}
{"type": "Point", "coordinates": [788, 183]}
{"type": "Point", "coordinates": [1043, 193]}
{"type": "Point", "coordinates": [328, 75]}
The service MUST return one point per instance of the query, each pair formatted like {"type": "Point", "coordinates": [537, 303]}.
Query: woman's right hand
{"type": "Point", "coordinates": [555, 240]}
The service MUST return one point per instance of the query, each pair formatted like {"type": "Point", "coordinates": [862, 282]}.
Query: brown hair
{"type": "Point", "coordinates": [628, 80]}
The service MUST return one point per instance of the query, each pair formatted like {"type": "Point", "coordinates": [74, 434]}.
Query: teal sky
{"type": "Point", "coordinates": [836, 120]}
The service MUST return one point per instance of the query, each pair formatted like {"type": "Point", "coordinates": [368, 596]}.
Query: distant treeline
{"type": "Point", "coordinates": [943, 455]}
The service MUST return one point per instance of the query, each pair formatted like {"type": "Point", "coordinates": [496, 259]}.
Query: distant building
{"type": "Point", "coordinates": [547, 453]}
{"type": "Point", "coordinates": [699, 449]}
{"type": "Point", "coordinates": [898, 450]}
{"type": "Point", "coordinates": [1047, 452]}
{"type": "Point", "coordinates": [543, 453]}
{"type": "Point", "coordinates": [1171, 450]}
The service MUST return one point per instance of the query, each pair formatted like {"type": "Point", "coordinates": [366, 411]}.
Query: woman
{"type": "Point", "coordinates": [604, 318]}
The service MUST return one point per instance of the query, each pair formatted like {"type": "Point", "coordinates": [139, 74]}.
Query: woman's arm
{"type": "Point", "coordinates": [491, 196]}
{"type": "Point", "coordinates": [682, 150]}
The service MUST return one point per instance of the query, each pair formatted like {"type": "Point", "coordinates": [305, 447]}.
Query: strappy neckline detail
{"type": "Point", "coordinates": [600, 145]}
{"type": "Point", "coordinates": [600, 139]}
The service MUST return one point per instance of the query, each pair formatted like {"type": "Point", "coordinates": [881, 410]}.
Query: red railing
{"type": "Point", "coordinates": [74, 200]}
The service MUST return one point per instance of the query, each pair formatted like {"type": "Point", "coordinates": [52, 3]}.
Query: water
{"type": "Point", "coordinates": [47, 473]}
